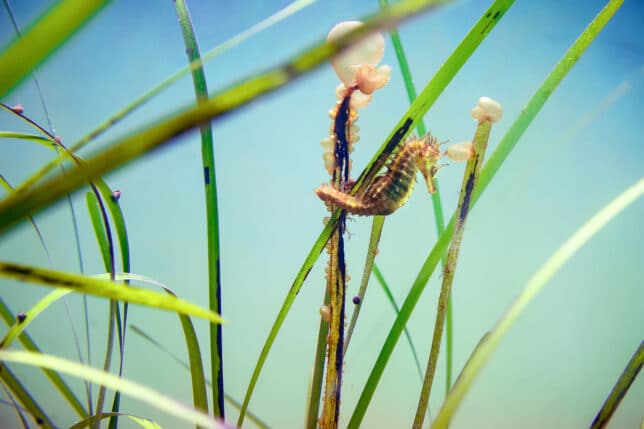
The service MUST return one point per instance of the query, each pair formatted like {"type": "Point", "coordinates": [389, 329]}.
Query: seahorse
{"type": "Point", "coordinates": [390, 190]}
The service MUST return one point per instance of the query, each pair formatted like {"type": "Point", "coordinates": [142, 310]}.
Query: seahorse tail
{"type": "Point", "coordinates": [343, 200]}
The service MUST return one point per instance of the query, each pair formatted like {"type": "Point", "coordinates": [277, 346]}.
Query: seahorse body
{"type": "Point", "coordinates": [390, 190]}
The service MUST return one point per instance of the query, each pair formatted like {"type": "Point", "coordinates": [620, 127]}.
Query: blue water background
{"type": "Point", "coordinates": [557, 363]}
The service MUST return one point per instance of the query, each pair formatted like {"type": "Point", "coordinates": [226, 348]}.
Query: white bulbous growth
{"type": "Point", "coordinates": [460, 151]}
{"type": "Point", "coordinates": [487, 109]}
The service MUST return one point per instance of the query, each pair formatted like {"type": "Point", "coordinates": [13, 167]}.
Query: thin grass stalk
{"type": "Point", "coordinates": [315, 391]}
{"type": "Point", "coordinates": [107, 361]}
{"type": "Point", "coordinates": [472, 171]}
{"type": "Point", "coordinates": [212, 216]}
{"type": "Point", "coordinates": [534, 285]}
{"type": "Point", "coordinates": [620, 388]}
{"type": "Point", "coordinates": [392, 301]}
{"type": "Point", "coordinates": [374, 239]}
{"type": "Point", "coordinates": [19, 410]}
{"type": "Point", "coordinates": [498, 157]}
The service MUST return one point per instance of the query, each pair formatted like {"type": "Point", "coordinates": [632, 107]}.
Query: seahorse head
{"type": "Point", "coordinates": [426, 159]}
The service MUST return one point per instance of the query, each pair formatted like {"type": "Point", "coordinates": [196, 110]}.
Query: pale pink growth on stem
{"type": "Point", "coordinates": [369, 78]}
{"type": "Point", "coordinates": [329, 161]}
{"type": "Point", "coordinates": [359, 100]}
{"type": "Point", "coordinates": [18, 109]}
{"type": "Point", "coordinates": [460, 151]}
{"type": "Point", "coordinates": [327, 143]}
{"type": "Point", "coordinates": [487, 110]}
{"type": "Point", "coordinates": [116, 194]}
{"type": "Point", "coordinates": [58, 140]}
{"type": "Point", "coordinates": [325, 313]}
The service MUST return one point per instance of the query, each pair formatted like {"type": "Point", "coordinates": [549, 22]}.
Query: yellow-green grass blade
{"type": "Point", "coordinates": [548, 270]}
{"type": "Point", "coordinates": [212, 214]}
{"type": "Point", "coordinates": [498, 157]}
{"type": "Point", "coordinates": [20, 205]}
{"type": "Point", "coordinates": [104, 288]}
{"type": "Point", "coordinates": [41, 38]}
{"type": "Point", "coordinates": [29, 344]}
{"type": "Point", "coordinates": [143, 422]}
{"type": "Point", "coordinates": [28, 316]}
{"type": "Point", "coordinates": [135, 390]}
{"type": "Point", "coordinates": [45, 141]}
{"type": "Point", "coordinates": [99, 230]}
{"type": "Point", "coordinates": [112, 205]}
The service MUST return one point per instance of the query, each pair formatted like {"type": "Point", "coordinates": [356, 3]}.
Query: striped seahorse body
{"type": "Point", "coordinates": [390, 190]}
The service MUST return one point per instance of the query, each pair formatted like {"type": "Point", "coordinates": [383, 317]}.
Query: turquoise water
{"type": "Point", "coordinates": [559, 361]}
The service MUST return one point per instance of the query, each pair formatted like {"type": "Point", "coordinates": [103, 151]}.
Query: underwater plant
{"type": "Point", "coordinates": [200, 201]}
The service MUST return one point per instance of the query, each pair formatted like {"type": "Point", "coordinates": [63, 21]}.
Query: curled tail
{"type": "Point", "coordinates": [344, 201]}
